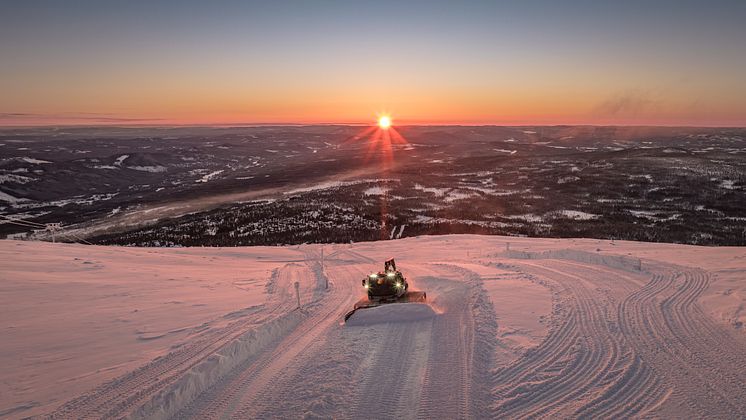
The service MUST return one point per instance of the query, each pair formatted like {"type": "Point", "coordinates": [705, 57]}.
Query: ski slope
{"type": "Point", "coordinates": [513, 327]}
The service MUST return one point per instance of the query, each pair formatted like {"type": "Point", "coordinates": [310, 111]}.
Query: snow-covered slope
{"type": "Point", "coordinates": [513, 327]}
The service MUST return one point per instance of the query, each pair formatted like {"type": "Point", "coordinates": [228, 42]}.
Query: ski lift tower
{"type": "Point", "coordinates": [53, 228]}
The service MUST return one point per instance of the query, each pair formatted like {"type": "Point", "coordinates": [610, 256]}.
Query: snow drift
{"type": "Point", "coordinates": [555, 328]}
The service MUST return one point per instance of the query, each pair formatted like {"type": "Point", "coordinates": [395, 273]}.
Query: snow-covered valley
{"type": "Point", "coordinates": [513, 327]}
{"type": "Point", "coordinates": [278, 185]}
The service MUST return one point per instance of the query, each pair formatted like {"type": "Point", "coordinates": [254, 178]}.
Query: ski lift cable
{"type": "Point", "coordinates": [13, 222]}
{"type": "Point", "coordinates": [23, 221]}
{"type": "Point", "coordinates": [35, 225]}
{"type": "Point", "coordinates": [19, 219]}
{"type": "Point", "coordinates": [78, 238]}
{"type": "Point", "coordinates": [20, 224]}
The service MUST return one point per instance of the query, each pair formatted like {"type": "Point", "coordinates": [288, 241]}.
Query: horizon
{"type": "Point", "coordinates": [346, 124]}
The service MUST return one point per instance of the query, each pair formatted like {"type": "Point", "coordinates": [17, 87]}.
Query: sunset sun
{"type": "Point", "coordinates": [384, 122]}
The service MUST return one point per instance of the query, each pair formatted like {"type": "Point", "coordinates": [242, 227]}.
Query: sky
{"type": "Point", "coordinates": [423, 62]}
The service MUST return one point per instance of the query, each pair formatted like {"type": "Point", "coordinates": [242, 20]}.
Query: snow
{"type": "Point", "coordinates": [10, 199]}
{"type": "Point", "coordinates": [376, 191]}
{"type": "Point", "coordinates": [512, 328]}
{"type": "Point", "coordinates": [210, 176]}
{"type": "Point", "coordinates": [566, 179]}
{"type": "Point", "coordinates": [120, 159]}
{"type": "Point", "coordinates": [727, 184]}
{"type": "Point", "coordinates": [391, 314]}
{"type": "Point", "coordinates": [152, 168]}
{"type": "Point", "coordinates": [455, 195]}
{"type": "Point", "coordinates": [521, 304]}
{"type": "Point", "coordinates": [531, 218]}
{"type": "Point", "coordinates": [435, 220]}
{"type": "Point", "coordinates": [121, 307]}
{"type": "Point", "coordinates": [643, 213]}
{"type": "Point", "coordinates": [34, 161]}
{"type": "Point", "coordinates": [438, 192]}
{"type": "Point", "coordinates": [578, 215]}
{"type": "Point", "coordinates": [18, 179]}
{"type": "Point", "coordinates": [80, 200]}
{"type": "Point", "coordinates": [337, 184]}
{"type": "Point", "coordinates": [480, 189]}
{"type": "Point", "coordinates": [647, 177]}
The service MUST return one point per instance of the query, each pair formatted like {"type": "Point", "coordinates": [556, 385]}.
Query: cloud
{"type": "Point", "coordinates": [68, 118]}
{"type": "Point", "coordinates": [627, 104]}
{"type": "Point", "coordinates": [14, 114]}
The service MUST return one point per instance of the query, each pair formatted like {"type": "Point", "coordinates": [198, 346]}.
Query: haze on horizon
{"type": "Point", "coordinates": [532, 62]}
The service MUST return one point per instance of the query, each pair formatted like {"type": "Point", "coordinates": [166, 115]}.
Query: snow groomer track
{"type": "Point", "coordinates": [624, 333]}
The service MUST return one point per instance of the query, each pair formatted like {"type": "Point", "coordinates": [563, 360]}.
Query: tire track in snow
{"type": "Point", "coordinates": [390, 369]}
{"type": "Point", "coordinates": [582, 363]}
{"type": "Point", "coordinates": [620, 350]}
{"type": "Point", "coordinates": [445, 389]}
{"type": "Point", "coordinates": [630, 385]}
{"type": "Point", "coordinates": [694, 355]}
{"type": "Point", "coordinates": [616, 348]}
{"type": "Point", "coordinates": [391, 385]}
{"type": "Point", "coordinates": [268, 386]}
{"type": "Point", "coordinates": [461, 352]}
{"type": "Point", "coordinates": [366, 371]}
{"type": "Point", "coordinates": [249, 390]}
{"type": "Point", "coordinates": [119, 397]}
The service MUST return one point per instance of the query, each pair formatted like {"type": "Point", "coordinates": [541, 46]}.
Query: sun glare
{"type": "Point", "coordinates": [384, 122]}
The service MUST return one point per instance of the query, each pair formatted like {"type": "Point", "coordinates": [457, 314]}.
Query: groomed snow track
{"type": "Point", "coordinates": [623, 340]}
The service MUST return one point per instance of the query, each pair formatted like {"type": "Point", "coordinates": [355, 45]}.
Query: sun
{"type": "Point", "coordinates": [384, 122]}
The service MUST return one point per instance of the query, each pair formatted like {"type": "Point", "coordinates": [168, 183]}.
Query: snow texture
{"type": "Point", "coordinates": [512, 328]}
{"type": "Point", "coordinates": [391, 314]}
{"type": "Point", "coordinates": [152, 168]}
{"type": "Point", "coordinates": [34, 161]}
{"type": "Point", "coordinates": [10, 199]}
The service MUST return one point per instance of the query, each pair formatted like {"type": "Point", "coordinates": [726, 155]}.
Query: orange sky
{"type": "Point", "coordinates": [345, 62]}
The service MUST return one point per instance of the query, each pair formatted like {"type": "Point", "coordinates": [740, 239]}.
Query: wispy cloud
{"type": "Point", "coordinates": [20, 118]}
{"type": "Point", "coordinates": [631, 103]}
